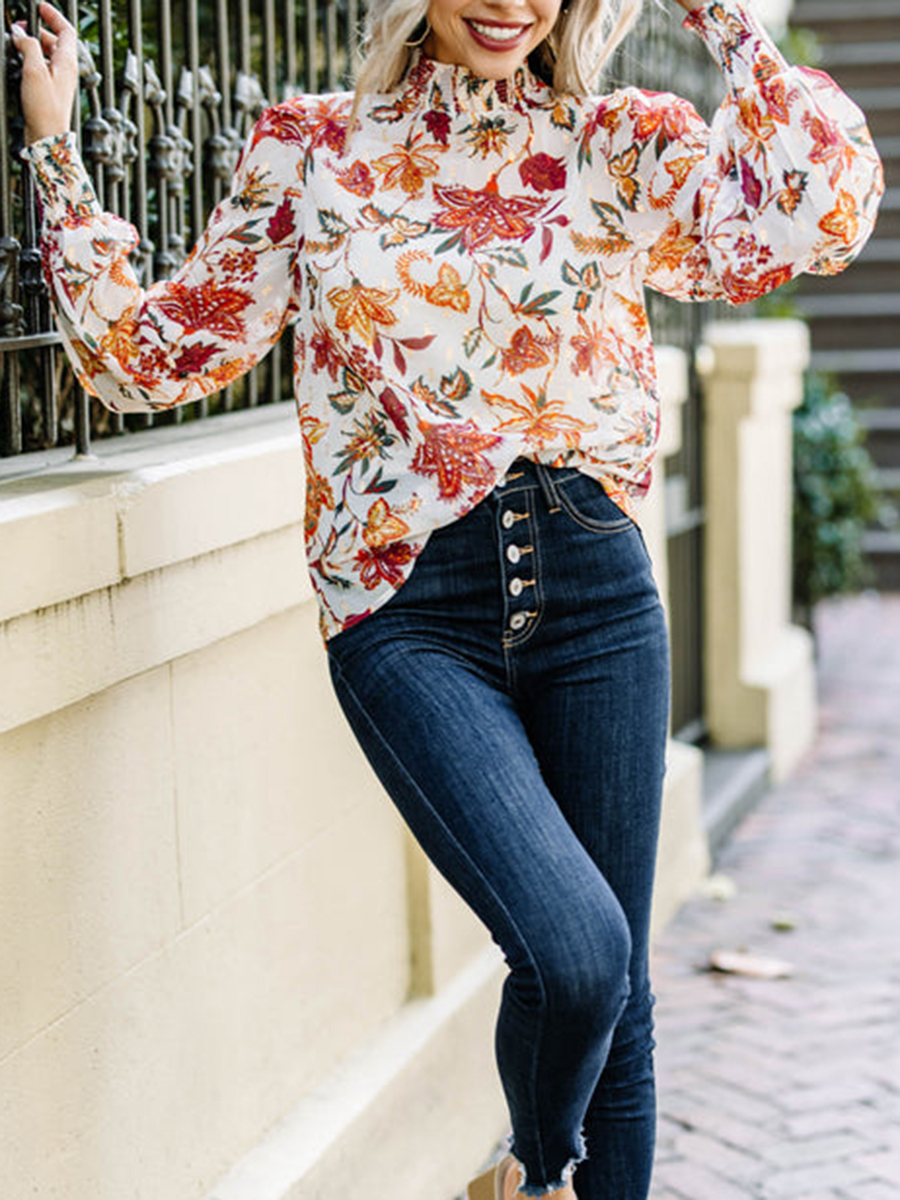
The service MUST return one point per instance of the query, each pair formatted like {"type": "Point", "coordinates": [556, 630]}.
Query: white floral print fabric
{"type": "Point", "coordinates": [465, 271]}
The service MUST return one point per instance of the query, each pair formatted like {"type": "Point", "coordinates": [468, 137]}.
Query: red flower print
{"type": "Point", "coordinates": [357, 179]}
{"type": "Point", "coordinates": [208, 308]}
{"type": "Point", "coordinates": [326, 351]}
{"type": "Point", "coordinates": [453, 453]}
{"type": "Point", "coordinates": [750, 185]}
{"type": "Point", "coordinates": [543, 173]}
{"type": "Point", "coordinates": [828, 143]}
{"type": "Point", "coordinates": [281, 224]}
{"type": "Point", "coordinates": [481, 216]}
{"type": "Point", "coordinates": [438, 125]}
{"type": "Point", "coordinates": [591, 346]}
{"type": "Point", "coordinates": [377, 563]}
{"type": "Point", "coordinates": [193, 358]}
{"type": "Point", "coordinates": [669, 122]}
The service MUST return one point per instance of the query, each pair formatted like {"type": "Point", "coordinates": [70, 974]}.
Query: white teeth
{"type": "Point", "coordinates": [498, 33]}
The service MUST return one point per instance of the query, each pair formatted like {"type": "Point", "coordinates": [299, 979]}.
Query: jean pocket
{"type": "Point", "coordinates": [585, 500]}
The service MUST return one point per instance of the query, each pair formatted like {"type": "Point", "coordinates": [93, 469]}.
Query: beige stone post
{"type": "Point", "coordinates": [683, 857]}
{"type": "Point", "coordinates": [759, 671]}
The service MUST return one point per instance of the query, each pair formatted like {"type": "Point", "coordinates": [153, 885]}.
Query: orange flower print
{"type": "Point", "coordinates": [455, 454]}
{"type": "Point", "coordinates": [672, 247]}
{"type": "Point", "coordinates": [318, 496]}
{"type": "Point", "coordinates": [743, 288]}
{"type": "Point", "coordinates": [667, 122]}
{"type": "Point", "coordinates": [407, 167]}
{"type": "Point", "coordinates": [622, 168]}
{"type": "Point", "coordinates": [363, 308]}
{"type": "Point", "coordinates": [541, 421]}
{"type": "Point", "coordinates": [383, 526]}
{"type": "Point", "coordinates": [481, 216]}
{"type": "Point", "coordinates": [209, 308]}
{"type": "Point", "coordinates": [377, 563]}
{"type": "Point", "coordinates": [843, 220]}
{"type": "Point", "coordinates": [523, 353]}
{"type": "Point", "coordinates": [489, 136]}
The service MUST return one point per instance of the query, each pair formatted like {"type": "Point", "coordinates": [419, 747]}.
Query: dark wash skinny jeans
{"type": "Point", "coordinates": [513, 699]}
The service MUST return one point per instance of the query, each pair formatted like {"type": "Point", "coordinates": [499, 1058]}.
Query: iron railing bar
{"type": "Point", "coordinates": [290, 46]}
{"type": "Point", "coordinates": [81, 400]}
{"type": "Point", "coordinates": [312, 74]}
{"type": "Point", "coordinates": [10, 313]}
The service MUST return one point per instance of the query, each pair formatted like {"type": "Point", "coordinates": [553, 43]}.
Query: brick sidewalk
{"type": "Point", "coordinates": [790, 1088]}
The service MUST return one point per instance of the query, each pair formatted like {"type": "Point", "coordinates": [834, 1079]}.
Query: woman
{"type": "Point", "coordinates": [463, 247]}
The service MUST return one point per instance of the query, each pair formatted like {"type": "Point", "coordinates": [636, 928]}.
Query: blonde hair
{"type": "Point", "coordinates": [570, 58]}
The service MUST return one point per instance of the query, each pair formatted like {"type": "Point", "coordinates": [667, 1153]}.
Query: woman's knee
{"type": "Point", "coordinates": [585, 968]}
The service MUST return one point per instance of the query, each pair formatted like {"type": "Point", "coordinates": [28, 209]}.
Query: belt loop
{"type": "Point", "coordinates": [548, 487]}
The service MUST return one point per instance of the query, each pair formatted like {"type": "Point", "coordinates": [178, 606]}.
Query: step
{"type": "Point", "coordinates": [883, 553]}
{"type": "Point", "coordinates": [843, 331]}
{"type": "Point", "coordinates": [863, 54]}
{"type": "Point", "coordinates": [849, 12]}
{"type": "Point", "coordinates": [851, 306]}
{"type": "Point", "coordinates": [866, 29]}
{"type": "Point", "coordinates": [882, 430]}
{"type": "Point", "coordinates": [857, 362]}
{"type": "Point", "coordinates": [887, 479]}
{"type": "Point", "coordinates": [862, 64]}
{"type": "Point", "coordinates": [882, 108]}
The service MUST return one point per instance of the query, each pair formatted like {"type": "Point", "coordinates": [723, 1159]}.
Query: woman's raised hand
{"type": "Point", "coordinates": [49, 74]}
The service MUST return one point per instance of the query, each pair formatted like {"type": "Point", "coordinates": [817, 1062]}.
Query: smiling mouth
{"type": "Point", "coordinates": [494, 35]}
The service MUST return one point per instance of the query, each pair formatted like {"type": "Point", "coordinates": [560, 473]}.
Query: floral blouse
{"type": "Point", "coordinates": [465, 275]}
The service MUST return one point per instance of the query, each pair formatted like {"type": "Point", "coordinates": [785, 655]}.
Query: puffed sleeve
{"type": "Point", "coordinates": [188, 336]}
{"type": "Point", "coordinates": [785, 180]}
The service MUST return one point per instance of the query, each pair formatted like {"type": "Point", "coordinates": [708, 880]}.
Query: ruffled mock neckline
{"type": "Point", "coordinates": [461, 90]}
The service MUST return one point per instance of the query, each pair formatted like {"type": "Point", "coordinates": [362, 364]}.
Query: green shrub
{"type": "Point", "coordinates": [833, 495]}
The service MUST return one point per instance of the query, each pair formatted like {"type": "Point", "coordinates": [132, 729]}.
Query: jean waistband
{"type": "Point", "coordinates": [524, 474]}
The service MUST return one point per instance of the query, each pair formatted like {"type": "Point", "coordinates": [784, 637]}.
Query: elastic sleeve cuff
{"type": "Point", "coordinates": [63, 185]}
{"type": "Point", "coordinates": [735, 37]}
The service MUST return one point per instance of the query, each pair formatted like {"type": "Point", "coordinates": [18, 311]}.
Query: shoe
{"type": "Point", "coordinates": [490, 1185]}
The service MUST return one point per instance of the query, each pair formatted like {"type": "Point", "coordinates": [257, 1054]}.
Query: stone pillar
{"type": "Point", "coordinates": [759, 671]}
{"type": "Point", "coordinates": [683, 858]}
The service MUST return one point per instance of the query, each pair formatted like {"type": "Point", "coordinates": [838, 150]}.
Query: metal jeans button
{"type": "Point", "coordinates": [513, 553]}
{"type": "Point", "coordinates": [517, 621]}
{"type": "Point", "coordinates": [508, 519]}
{"type": "Point", "coordinates": [515, 587]}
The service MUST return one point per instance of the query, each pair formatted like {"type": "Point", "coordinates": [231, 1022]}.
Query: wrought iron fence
{"type": "Point", "coordinates": [168, 89]}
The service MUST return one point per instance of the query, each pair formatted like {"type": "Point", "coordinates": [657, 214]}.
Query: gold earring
{"type": "Point", "coordinates": [420, 40]}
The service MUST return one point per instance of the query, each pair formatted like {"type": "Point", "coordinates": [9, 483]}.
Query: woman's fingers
{"type": "Point", "coordinates": [49, 74]}
{"type": "Point", "coordinates": [55, 21]}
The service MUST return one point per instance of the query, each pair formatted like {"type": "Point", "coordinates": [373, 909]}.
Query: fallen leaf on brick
{"type": "Point", "coordinates": [784, 922]}
{"type": "Point", "coordinates": [756, 966]}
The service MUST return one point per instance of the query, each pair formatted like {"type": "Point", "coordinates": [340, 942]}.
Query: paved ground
{"type": "Point", "coordinates": [790, 1088]}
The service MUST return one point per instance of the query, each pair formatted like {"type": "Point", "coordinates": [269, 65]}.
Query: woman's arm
{"type": "Point", "coordinates": [182, 338]}
{"type": "Point", "coordinates": [786, 180]}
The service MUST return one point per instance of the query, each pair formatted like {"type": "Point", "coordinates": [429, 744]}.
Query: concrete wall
{"type": "Point", "coordinates": [227, 972]}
